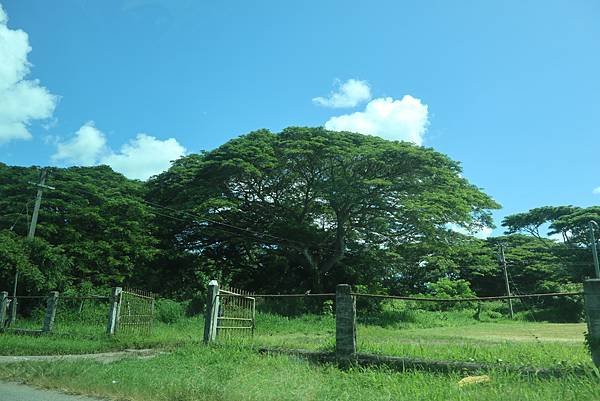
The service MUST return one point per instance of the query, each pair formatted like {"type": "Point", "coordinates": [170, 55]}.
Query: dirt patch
{"type": "Point", "coordinates": [104, 357]}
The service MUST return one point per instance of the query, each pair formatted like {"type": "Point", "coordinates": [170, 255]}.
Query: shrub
{"type": "Point", "coordinates": [168, 311]}
{"type": "Point", "coordinates": [448, 288]}
{"type": "Point", "coordinates": [195, 306]}
{"type": "Point", "coordinates": [367, 304]}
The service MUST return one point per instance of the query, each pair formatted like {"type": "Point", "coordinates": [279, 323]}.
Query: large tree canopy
{"type": "Point", "coordinates": [571, 222]}
{"type": "Point", "coordinates": [310, 199]}
{"type": "Point", "coordinates": [94, 216]}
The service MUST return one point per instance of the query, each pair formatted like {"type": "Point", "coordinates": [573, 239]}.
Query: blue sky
{"type": "Point", "coordinates": [508, 88]}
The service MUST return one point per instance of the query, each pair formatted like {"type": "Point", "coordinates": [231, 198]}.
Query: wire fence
{"type": "Point", "coordinates": [72, 314]}
{"type": "Point", "coordinates": [427, 329]}
{"type": "Point", "coordinates": [84, 315]}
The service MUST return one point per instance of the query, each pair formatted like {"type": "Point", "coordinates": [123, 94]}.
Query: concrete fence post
{"type": "Point", "coordinates": [591, 291]}
{"type": "Point", "coordinates": [345, 322]}
{"type": "Point", "coordinates": [13, 311]}
{"type": "Point", "coordinates": [3, 309]}
{"type": "Point", "coordinates": [113, 312]}
{"type": "Point", "coordinates": [212, 312]}
{"type": "Point", "coordinates": [51, 303]}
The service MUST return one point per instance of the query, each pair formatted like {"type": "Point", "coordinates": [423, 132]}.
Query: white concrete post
{"type": "Point", "coordinates": [51, 304]}
{"type": "Point", "coordinates": [3, 309]}
{"type": "Point", "coordinates": [113, 313]}
{"type": "Point", "coordinates": [212, 312]}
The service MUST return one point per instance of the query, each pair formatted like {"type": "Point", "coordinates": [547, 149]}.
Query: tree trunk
{"type": "Point", "coordinates": [320, 268]}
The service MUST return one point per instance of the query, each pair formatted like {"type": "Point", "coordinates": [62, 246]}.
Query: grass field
{"type": "Point", "coordinates": [235, 371]}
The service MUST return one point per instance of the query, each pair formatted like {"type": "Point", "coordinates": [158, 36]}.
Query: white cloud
{"type": "Point", "coordinates": [22, 100]}
{"type": "Point", "coordinates": [144, 156]}
{"type": "Point", "coordinates": [349, 94]}
{"type": "Point", "coordinates": [85, 148]}
{"type": "Point", "coordinates": [140, 158]}
{"type": "Point", "coordinates": [403, 120]}
{"type": "Point", "coordinates": [596, 191]}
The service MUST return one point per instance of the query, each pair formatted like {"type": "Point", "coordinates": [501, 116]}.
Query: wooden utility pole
{"type": "Point", "coordinates": [594, 247]}
{"type": "Point", "coordinates": [38, 202]}
{"type": "Point", "coordinates": [503, 263]}
{"type": "Point", "coordinates": [30, 235]}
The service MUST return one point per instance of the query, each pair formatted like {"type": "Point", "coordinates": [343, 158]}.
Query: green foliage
{"type": "Point", "coordinates": [314, 208]}
{"type": "Point", "coordinates": [169, 311]}
{"type": "Point", "coordinates": [42, 267]}
{"type": "Point", "coordinates": [336, 198]}
{"type": "Point", "coordinates": [95, 216]}
{"type": "Point", "coordinates": [327, 308]}
{"type": "Point", "coordinates": [447, 288]}
{"type": "Point", "coordinates": [531, 221]}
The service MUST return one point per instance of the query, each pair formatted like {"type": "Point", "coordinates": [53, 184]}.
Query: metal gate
{"type": "Point", "coordinates": [236, 316]}
{"type": "Point", "coordinates": [136, 311]}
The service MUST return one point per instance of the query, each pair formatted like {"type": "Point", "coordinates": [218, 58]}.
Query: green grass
{"type": "Point", "coordinates": [82, 339]}
{"type": "Point", "coordinates": [233, 370]}
{"type": "Point", "coordinates": [230, 372]}
{"type": "Point", "coordinates": [426, 336]}
{"type": "Point", "coordinates": [516, 343]}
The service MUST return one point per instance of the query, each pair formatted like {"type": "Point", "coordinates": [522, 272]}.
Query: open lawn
{"type": "Point", "coordinates": [233, 370]}
{"type": "Point", "coordinates": [237, 373]}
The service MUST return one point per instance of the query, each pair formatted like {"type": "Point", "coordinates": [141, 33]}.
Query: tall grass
{"type": "Point", "coordinates": [229, 372]}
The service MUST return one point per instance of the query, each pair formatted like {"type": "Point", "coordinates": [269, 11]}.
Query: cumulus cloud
{"type": "Point", "coordinates": [140, 158]}
{"type": "Point", "coordinates": [144, 156]}
{"type": "Point", "coordinates": [405, 119]}
{"type": "Point", "coordinates": [596, 191]}
{"type": "Point", "coordinates": [84, 149]}
{"type": "Point", "coordinates": [349, 94]}
{"type": "Point", "coordinates": [22, 100]}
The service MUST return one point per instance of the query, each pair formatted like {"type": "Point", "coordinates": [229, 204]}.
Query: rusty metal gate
{"type": "Point", "coordinates": [237, 311]}
{"type": "Point", "coordinates": [136, 311]}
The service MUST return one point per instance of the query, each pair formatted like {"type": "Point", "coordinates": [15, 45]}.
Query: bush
{"type": "Point", "coordinates": [168, 311]}
{"type": "Point", "coordinates": [447, 288]}
{"type": "Point", "coordinates": [195, 306]}
{"type": "Point", "coordinates": [367, 304]}
{"type": "Point", "coordinates": [560, 309]}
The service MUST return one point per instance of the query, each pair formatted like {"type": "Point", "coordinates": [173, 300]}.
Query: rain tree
{"type": "Point", "coordinates": [308, 204]}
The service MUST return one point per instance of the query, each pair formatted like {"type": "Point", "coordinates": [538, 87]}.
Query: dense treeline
{"type": "Point", "coordinates": [302, 209]}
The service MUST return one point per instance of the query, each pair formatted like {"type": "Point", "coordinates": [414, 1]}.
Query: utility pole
{"type": "Point", "coordinates": [503, 262]}
{"type": "Point", "coordinates": [36, 210]}
{"type": "Point", "coordinates": [594, 247]}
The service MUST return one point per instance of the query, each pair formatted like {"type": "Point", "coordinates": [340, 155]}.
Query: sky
{"type": "Point", "coordinates": [510, 88]}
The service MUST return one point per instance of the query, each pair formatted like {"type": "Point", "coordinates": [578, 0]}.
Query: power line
{"type": "Point", "coordinates": [24, 210]}
{"type": "Point", "coordinates": [225, 227]}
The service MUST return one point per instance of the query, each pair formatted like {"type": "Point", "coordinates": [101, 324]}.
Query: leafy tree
{"type": "Point", "coordinates": [95, 216]}
{"type": "Point", "coordinates": [576, 225]}
{"type": "Point", "coordinates": [41, 266]}
{"type": "Point", "coordinates": [569, 221]}
{"type": "Point", "coordinates": [309, 201]}
{"type": "Point", "coordinates": [531, 221]}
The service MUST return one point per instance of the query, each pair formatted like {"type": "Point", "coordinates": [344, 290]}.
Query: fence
{"type": "Point", "coordinates": [348, 341]}
{"type": "Point", "coordinates": [42, 308]}
{"type": "Point", "coordinates": [129, 311]}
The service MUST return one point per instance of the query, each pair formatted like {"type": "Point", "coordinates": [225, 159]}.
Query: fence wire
{"type": "Point", "coordinates": [468, 329]}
